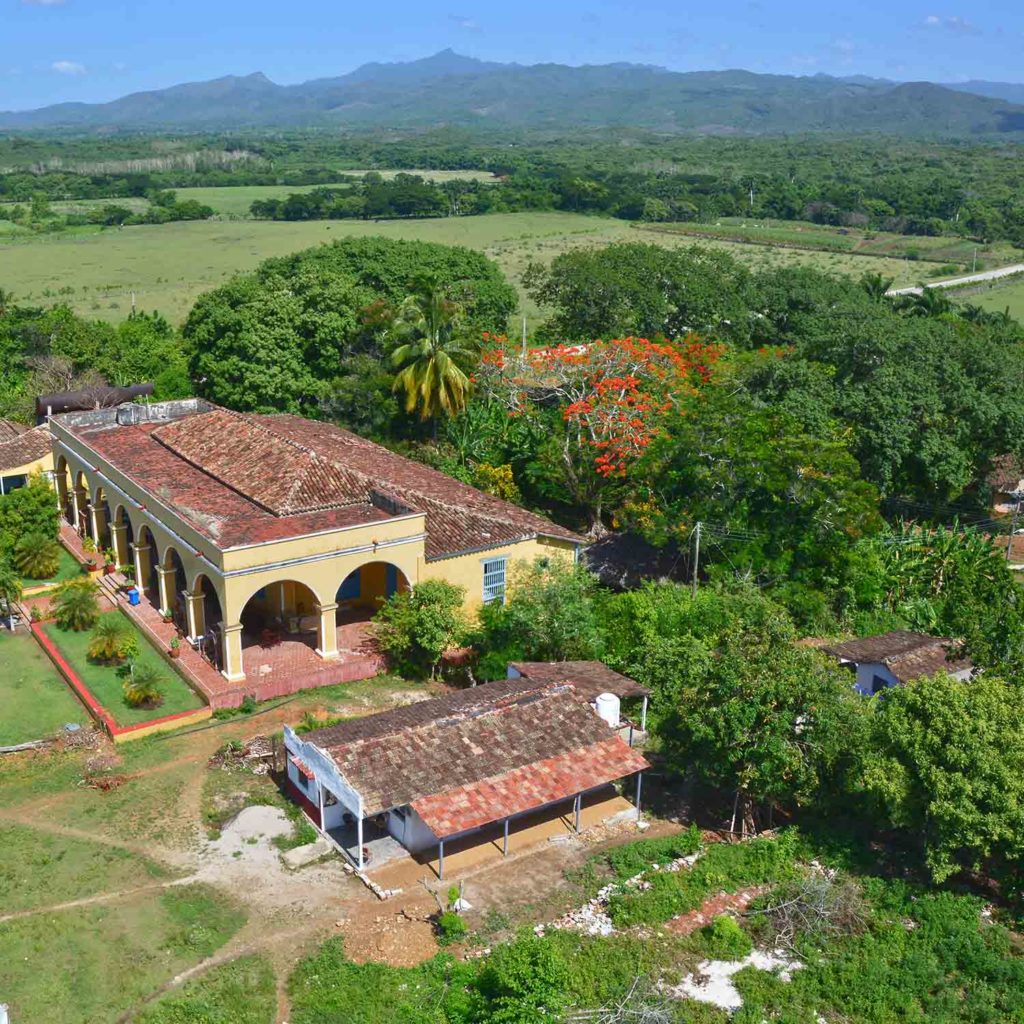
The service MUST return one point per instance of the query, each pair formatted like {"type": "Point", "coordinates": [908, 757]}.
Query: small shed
{"type": "Point", "coordinates": [441, 770]}
{"type": "Point", "coordinates": [889, 659]}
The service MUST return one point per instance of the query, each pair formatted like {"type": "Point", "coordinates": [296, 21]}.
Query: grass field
{"type": "Point", "coordinates": [234, 201]}
{"type": "Point", "coordinates": [168, 266]}
{"type": "Point", "coordinates": [805, 234]}
{"type": "Point", "coordinates": [106, 685]}
{"type": "Point", "coordinates": [998, 297]}
{"type": "Point", "coordinates": [36, 702]}
{"type": "Point", "coordinates": [90, 964]}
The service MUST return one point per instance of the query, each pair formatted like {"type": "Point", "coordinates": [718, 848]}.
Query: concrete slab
{"type": "Point", "coordinates": [300, 856]}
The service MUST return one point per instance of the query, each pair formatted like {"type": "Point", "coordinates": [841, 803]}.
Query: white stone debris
{"type": "Point", "coordinates": [712, 982]}
{"type": "Point", "coordinates": [592, 918]}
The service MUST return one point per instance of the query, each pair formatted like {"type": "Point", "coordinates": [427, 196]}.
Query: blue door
{"type": "Point", "coordinates": [351, 588]}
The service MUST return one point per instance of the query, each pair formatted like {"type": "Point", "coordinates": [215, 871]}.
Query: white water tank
{"type": "Point", "coordinates": [607, 706]}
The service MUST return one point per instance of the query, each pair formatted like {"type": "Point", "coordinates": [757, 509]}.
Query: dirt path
{"type": "Point", "coordinates": [967, 279]}
{"type": "Point", "coordinates": [102, 897]}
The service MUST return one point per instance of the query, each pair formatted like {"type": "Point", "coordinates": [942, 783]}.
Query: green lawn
{"type": "Point", "coordinates": [106, 684]}
{"type": "Point", "coordinates": [89, 965]}
{"type": "Point", "coordinates": [239, 992]}
{"type": "Point", "coordinates": [39, 869]}
{"type": "Point", "coordinates": [34, 700]}
{"type": "Point", "coordinates": [67, 569]}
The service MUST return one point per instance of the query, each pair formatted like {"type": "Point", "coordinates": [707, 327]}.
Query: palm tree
{"type": "Point", "coordinates": [433, 360]}
{"type": "Point", "coordinates": [10, 589]}
{"type": "Point", "coordinates": [927, 302]}
{"type": "Point", "coordinates": [37, 556]}
{"type": "Point", "coordinates": [112, 640]}
{"type": "Point", "coordinates": [141, 687]}
{"type": "Point", "coordinates": [876, 285]}
{"type": "Point", "coordinates": [75, 605]}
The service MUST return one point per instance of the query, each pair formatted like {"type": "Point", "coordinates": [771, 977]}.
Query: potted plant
{"type": "Point", "coordinates": [167, 615]}
{"type": "Point", "coordinates": [89, 547]}
{"type": "Point", "coordinates": [109, 562]}
{"type": "Point", "coordinates": [174, 647]}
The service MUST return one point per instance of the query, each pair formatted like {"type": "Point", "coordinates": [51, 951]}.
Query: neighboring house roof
{"type": "Point", "coordinates": [10, 429]}
{"type": "Point", "coordinates": [1006, 475]}
{"type": "Point", "coordinates": [244, 479]}
{"type": "Point", "coordinates": [589, 678]}
{"type": "Point", "coordinates": [906, 654]}
{"type": "Point", "coordinates": [24, 447]}
{"type": "Point", "coordinates": [464, 760]}
{"type": "Point", "coordinates": [623, 561]}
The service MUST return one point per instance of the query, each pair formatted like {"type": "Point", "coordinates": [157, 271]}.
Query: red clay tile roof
{"type": "Point", "coordinates": [25, 447]}
{"type": "Point", "coordinates": [277, 474]}
{"type": "Point", "coordinates": [213, 509]}
{"type": "Point", "coordinates": [475, 744]}
{"type": "Point", "coordinates": [229, 473]}
{"type": "Point", "coordinates": [459, 517]}
{"type": "Point", "coordinates": [10, 429]}
{"type": "Point", "coordinates": [906, 654]}
{"type": "Point", "coordinates": [522, 789]}
{"type": "Point", "coordinates": [590, 678]}
{"type": "Point", "coordinates": [303, 767]}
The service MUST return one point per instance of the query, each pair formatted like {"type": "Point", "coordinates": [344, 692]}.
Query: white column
{"type": "Point", "coordinates": [440, 859]}
{"type": "Point", "coordinates": [165, 580]}
{"type": "Point", "coordinates": [140, 553]}
{"type": "Point", "coordinates": [643, 715]}
{"type": "Point", "coordinates": [504, 851]}
{"type": "Point", "coordinates": [327, 646]}
{"type": "Point", "coordinates": [195, 611]}
{"type": "Point", "coordinates": [359, 840]}
{"type": "Point", "coordinates": [577, 806]}
{"type": "Point", "coordinates": [639, 780]}
{"type": "Point", "coordinates": [233, 670]}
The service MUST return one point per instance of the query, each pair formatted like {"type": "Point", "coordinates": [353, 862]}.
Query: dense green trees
{"type": "Point", "coordinates": [274, 340]}
{"type": "Point", "coordinates": [947, 766]}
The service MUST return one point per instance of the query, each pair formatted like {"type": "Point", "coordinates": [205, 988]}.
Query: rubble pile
{"type": "Point", "coordinates": [255, 755]}
{"type": "Point", "coordinates": [592, 918]}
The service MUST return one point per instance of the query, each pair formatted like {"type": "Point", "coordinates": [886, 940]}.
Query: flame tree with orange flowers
{"type": "Point", "coordinates": [599, 406]}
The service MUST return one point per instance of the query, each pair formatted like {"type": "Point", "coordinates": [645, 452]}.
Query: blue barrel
{"type": "Point", "coordinates": [133, 595]}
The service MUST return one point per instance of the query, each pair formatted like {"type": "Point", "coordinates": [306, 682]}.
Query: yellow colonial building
{"type": "Point", "coordinates": [251, 529]}
{"type": "Point", "coordinates": [23, 451]}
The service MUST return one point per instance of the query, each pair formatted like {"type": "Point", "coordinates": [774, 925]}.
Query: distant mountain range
{"type": "Point", "coordinates": [449, 88]}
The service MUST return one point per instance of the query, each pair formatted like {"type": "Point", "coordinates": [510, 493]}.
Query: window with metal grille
{"type": "Point", "coordinates": [494, 580]}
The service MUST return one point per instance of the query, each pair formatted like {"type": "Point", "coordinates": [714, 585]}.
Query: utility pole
{"type": "Point", "coordinates": [696, 558]}
{"type": "Point", "coordinates": [1013, 526]}
{"type": "Point", "coordinates": [524, 337]}
{"type": "Point", "coordinates": [751, 195]}
{"type": "Point", "coordinates": [974, 265]}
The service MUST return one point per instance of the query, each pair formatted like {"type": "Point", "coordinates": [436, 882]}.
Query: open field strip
{"type": "Point", "coordinates": [168, 266]}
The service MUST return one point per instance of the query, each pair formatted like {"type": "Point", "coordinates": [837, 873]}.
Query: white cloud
{"type": "Point", "coordinates": [465, 22]}
{"type": "Point", "coordinates": [43, 3]}
{"type": "Point", "coordinates": [953, 23]}
{"type": "Point", "coordinates": [68, 67]}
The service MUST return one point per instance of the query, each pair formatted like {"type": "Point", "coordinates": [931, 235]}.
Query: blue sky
{"type": "Point", "coordinates": [93, 50]}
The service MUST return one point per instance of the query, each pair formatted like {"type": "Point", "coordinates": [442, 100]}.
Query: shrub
{"type": "Point", "coordinates": [450, 928]}
{"type": "Point", "coordinates": [724, 939]}
{"type": "Point", "coordinates": [113, 640]}
{"type": "Point", "coordinates": [37, 556]}
{"type": "Point", "coordinates": [416, 627]}
{"type": "Point", "coordinates": [74, 605]}
{"type": "Point", "coordinates": [141, 687]}
{"type": "Point", "coordinates": [523, 982]}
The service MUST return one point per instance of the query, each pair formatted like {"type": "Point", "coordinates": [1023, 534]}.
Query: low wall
{"type": "Point", "coordinates": [118, 733]}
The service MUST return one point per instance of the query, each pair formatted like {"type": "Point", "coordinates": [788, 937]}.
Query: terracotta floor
{"type": "Point", "coordinates": [291, 666]}
{"type": "Point", "coordinates": [525, 835]}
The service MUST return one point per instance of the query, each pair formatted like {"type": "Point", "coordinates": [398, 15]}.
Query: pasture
{"type": "Point", "coordinates": [168, 266]}
{"type": "Point", "coordinates": [997, 297]}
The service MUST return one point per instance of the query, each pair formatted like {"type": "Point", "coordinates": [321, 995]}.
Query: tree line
{"type": "Point", "coordinates": [893, 185]}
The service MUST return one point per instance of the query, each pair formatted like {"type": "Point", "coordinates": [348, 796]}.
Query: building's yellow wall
{"type": "Point", "coordinates": [43, 465]}
{"type": "Point", "coordinates": [467, 571]}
